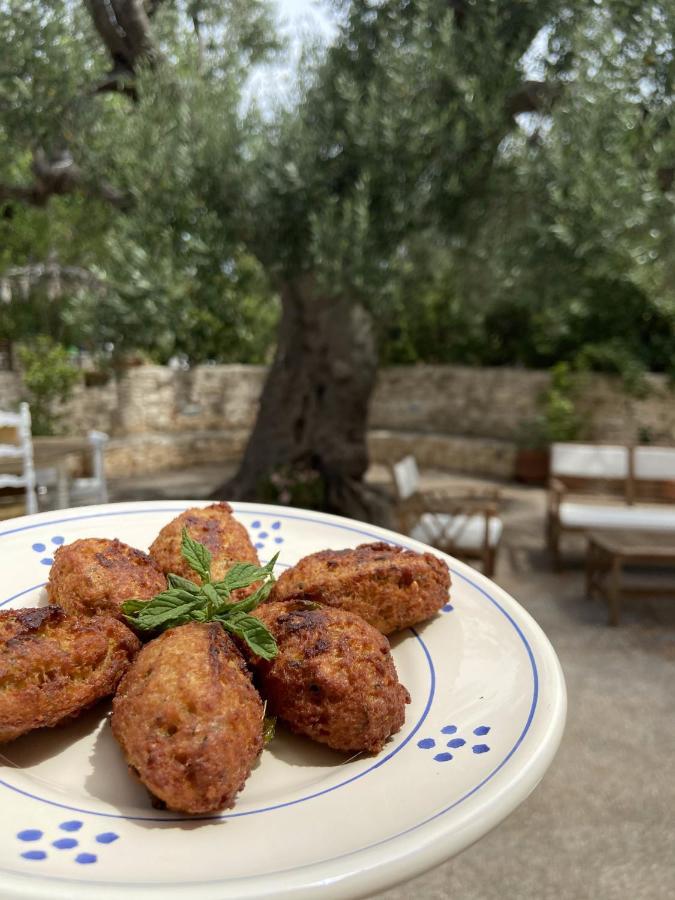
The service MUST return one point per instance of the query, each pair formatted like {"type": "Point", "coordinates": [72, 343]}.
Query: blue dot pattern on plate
{"type": "Point", "coordinates": [261, 533]}
{"type": "Point", "coordinates": [447, 608]}
{"type": "Point", "coordinates": [61, 844]}
{"type": "Point", "coordinates": [65, 843]}
{"type": "Point", "coordinates": [427, 743]}
{"type": "Point", "coordinates": [30, 834]}
{"type": "Point", "coordinates": [40, 548]}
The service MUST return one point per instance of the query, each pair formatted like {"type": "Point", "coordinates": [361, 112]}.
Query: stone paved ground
{"type": "Point", "coordinates": [602, 823]}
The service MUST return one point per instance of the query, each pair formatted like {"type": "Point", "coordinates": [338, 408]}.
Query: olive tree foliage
{"type": "Point", "coordinates": [397, 127]}
{"type": "Point", "coordinates": [569, 257]}
{"type": "Point", "coordinates": [94, 173]}
{"type": "Point", "coordinates": [402, 177]}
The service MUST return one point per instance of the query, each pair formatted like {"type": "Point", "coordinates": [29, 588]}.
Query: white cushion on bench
{"type": "Point", "coordinates": [589, 460]}
{"type": "Point", "coordinates": [656, 463]}
{"type": "Point", "coordinates": [640, 516]}
{"type": "Point", "coordinates": [466, 532]}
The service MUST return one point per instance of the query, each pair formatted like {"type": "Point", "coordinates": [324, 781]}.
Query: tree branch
{"type": "Point", "coordinates": [118, 81]}
{"type": "Point", "coordinates": [58, 176]}
{"type": "Point", "coordinates": [124, 27]}
{"type": "Point", "coordinates": [23, 279]}
{"type": "Point", "coordinates": [533, 97]}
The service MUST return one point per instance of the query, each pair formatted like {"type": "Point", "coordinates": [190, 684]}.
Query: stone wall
{"type": "Point", "coordinates": [456, 400]}
{"type": "Point", "coordinates": [452, 417]}
{"type": "Point", "coordinates": [10, 390]}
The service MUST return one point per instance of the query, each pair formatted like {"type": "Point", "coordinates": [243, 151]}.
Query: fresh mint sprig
{"type": "Point", "coordinates": [185, 601]}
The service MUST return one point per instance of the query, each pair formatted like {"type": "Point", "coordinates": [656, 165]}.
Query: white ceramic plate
{"type": "Point", "coordinates": [487, 715]}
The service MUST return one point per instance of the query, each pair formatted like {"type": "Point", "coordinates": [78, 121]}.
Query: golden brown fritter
{"type": "Point", "coordinates": [97, 575]}
{"type": "Point", "coordinates": [189, 719]}
{"type": "Point", "coordinates": [54, 666]}
{"type": "Point", "coordinates": [334, 679]}
{"type": "Point", "coordinates": [216, 528]}
{"type": "Point", "coordinates": [388, 586]}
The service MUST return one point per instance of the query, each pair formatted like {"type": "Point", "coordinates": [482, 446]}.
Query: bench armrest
{"type": "Point", "coordinates": [556, 490]}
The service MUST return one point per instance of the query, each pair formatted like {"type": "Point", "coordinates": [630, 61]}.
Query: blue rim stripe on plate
{"type": "Point", "coordinates": [370, 534]}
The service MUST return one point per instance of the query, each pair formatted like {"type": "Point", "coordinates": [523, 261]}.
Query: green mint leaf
{"type": "Point", "coordinates": [269, 727]}
{"type": "Point", "coordinates": [133, 606]}
{"type": "Point", "coordinates": [248, 604]}
{"type": "Point", "coordinates": [213, 603]}
{"type": "Point", "coordinates": [211, 594]}
{"type": "Point", "coordinates": [259, 639]}
{"type": "Point", "coordinates": [165, 610]}
{"type": "Point", "coordinates": [175, 581]}
{"type": "Point", "coordinates": [196, 555]}
{"type": "Point", "coordinates": [241, 575]}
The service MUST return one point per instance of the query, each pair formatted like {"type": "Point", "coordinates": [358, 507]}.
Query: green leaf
{"type": "Point", "coordinates": [243, 574]}
{"type": "Point", "coordinates": [165, 610]}
{"type": "Point", "coordinates": [259, 639]}
{"type": "Point", "coordinates": [211, 594]}
{"type": "Point", "coordinates": [269, 728]}
{"type": "Point", "coordinates": [132, 606]}
{"type": "Point", "coordinates": [187, 602]}
{"type": "Point", "coordinates": [196, 555]}
{"type": "Point", "coordinates": [175, 581]}
{"type": "Point", "coordinates": [248, 604]}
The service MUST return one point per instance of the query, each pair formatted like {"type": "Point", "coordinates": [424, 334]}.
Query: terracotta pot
{"type": "Point", "coordinates": [532, 466]}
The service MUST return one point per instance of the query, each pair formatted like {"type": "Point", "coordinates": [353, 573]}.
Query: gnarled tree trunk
{"type": "Point", "coordinates": [314, 407]}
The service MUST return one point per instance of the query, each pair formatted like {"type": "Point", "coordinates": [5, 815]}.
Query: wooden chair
{"type": "Point", "coordinates": [463, 523]}
{"type": "Point", "coordinates": [21, 450]}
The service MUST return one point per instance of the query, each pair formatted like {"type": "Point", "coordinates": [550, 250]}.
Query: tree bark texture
{"type": "Point", "coordinates": [314, 406]}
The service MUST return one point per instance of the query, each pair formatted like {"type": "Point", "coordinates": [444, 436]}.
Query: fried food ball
{"type": "Point", "coordinates": [216, 528]}
{"type": "Point", "coordinates": [390, 587]}
{"type": "Point", "coordinates": [189, 719]}
{"type": "Point", "coordinates": [54, 666]}
{"type": "Point", "coordinates": [96, 575]}
{"type": "Point", "coordinates": [334, 679]}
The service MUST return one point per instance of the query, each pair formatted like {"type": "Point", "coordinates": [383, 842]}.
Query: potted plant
{"type": "Point", "coordinates": [557, 420]}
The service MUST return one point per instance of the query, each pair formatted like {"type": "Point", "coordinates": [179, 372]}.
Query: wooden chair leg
{"type": "Point", "coordinates": [554, 545]}
{"type": "Point", "coordinates": [489, 561]}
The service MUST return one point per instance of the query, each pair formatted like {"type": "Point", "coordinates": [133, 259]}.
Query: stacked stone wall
{"type": "Point", "coordinates": [454, 417]}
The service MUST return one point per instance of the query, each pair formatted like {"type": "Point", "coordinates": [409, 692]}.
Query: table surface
{"type": "Point", "coordinates": [658, 544]}
{"type": "Point", "coordinates": [50, 452]}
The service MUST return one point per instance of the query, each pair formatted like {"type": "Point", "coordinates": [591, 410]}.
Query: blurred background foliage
{"type": "Point", "coordinates": [477, 227]}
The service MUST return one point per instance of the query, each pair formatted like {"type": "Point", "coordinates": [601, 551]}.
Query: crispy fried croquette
{"type": "Point", "coordinates": [334, 679]}
{"type": "Point", "coordinates": [54, 666]}
{"type": "Point", "coordinates": [189, 719]}
{"type": "Point", "coordinates": [388, 586]}
{"type": "Point", "coordinates": [216, 528]}
{"type": "Point", "coordinates": [96, 575]}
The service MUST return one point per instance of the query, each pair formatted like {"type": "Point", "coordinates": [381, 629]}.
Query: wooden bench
{"type": "Point", "coordinates": [609, 486]}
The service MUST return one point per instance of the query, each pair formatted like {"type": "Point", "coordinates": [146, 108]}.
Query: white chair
{"type": "Point", "coordinates": [463, 523]}
{"type": "Point", "coordinates": [21, 450]}
{"type": "Point", "coordinates": [93, 489]}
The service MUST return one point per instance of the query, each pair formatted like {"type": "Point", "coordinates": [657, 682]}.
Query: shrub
{"type": "Point", "coordinates": [49, 377]}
